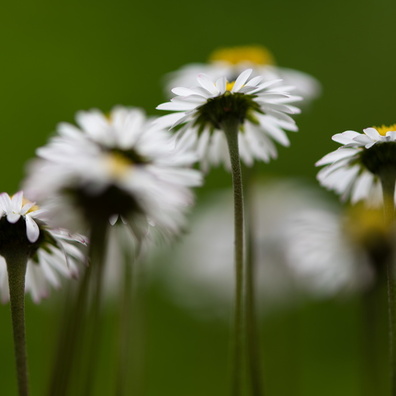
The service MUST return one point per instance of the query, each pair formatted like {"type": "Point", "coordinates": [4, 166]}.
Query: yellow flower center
{"type": "Point", "coordinates": [33, 208]}
{"type": "Point", "coordinates": [253, 54]}
{"type": "Point", "coordinates": [230, 85]}
{"type": "Point", "coordinates": [365, 224]}
{"type": "Point", "coordinates": [382, 130]}
{"type": "Point", "coordinates": [117, 164]}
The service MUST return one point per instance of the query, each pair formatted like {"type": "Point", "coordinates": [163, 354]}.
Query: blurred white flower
{"type": "Point", "coordinates": [120, 165]}
{"type": "Point", "coordinates": [353, 170]}
{"type": "Point", "coordinates": [53, 252]}
{"type": "Point", "coordinates": [300, 245]}
{"type": "Point", "coordinates": [261, 108]}
{"type": "Point", "coordinates": [230, 62]}
{"type": "Point", "coordinates": [324, 255]}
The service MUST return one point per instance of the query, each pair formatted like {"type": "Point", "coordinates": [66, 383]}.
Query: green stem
{"type": "Point", "coordinates": [127, 311]}
{"type": "Point", "coordinates": [16, 268]}
{"type": "Point", "coordinates": [70, 340]}
{"type": "Point", "coordinates": [69, 361]}
{"type": "Point", "coordinates": [388, 190]}
{"type": "Point", "coordinates": [253, 344]}
{"type": "Point", "coordinates": [96, 255]}
{"type": "Point", "coordinates": [231, 130]}
{"type": "Point", "coordinates": [373, 379]}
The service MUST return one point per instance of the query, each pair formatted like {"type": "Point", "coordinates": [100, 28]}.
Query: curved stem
{"type": "Point", "coordinates": [16, 268]}
{"type": "Point", "coordinates": [231, 130]}
{"type": "Point", "coordinates": [388, 190]}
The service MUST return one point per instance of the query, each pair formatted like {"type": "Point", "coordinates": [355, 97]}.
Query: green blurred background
{"type": "Point", "coordinates": [58, 58]}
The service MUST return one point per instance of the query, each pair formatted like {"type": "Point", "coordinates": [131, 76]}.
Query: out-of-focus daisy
{"type": "Point", "coordinates": [356, 168]}
{"type": "Point", "coordinates": [326, 254]}
{"type": "Point", "coordinates": [52, 252]}
{"type": "Point", "coordinates": [113, 166]}
{"type": "Point", "coordinates": [202, 112]}
{"type": "Point", "coordinates": [231, 61]}
{"type": "Point", "coordinates": [300, 243]}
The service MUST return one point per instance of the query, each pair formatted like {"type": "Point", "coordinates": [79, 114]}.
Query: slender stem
{"type": "Point", "coordinates": [16, 268]}
{"type": "Point", "coordinates": [68, 359]}
{"type": "Point", "coordinates": [253, 344]}
{"type": "Point", "coordinates": [96, 253]}
{"type": "Point", "coordinates": [231, 130]}
{"type": "Point", "coordinates": [70, 338]}
{"type": "Point", "coordinates": [388, 189]}
{"type": "Point", "coordinates": [373, 369]}
{"type": "Point", "coordinates": [125, 353]}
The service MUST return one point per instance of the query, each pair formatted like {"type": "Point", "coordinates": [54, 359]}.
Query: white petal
{"type": "Point", "coordinates": [372, 133]}
{"type": "Point", "coordinates": [221, 84]}
{"type": "Point", "coordinates": [362, 187]}
{"type": "Point", "coordinates": [254, 81]}
{"type": "Point", "coordinates": [336, 155]}
{"type": "Point", "coordinates": [13, 217]}
{"type": "Point", "coordinates": [177, 106]}
{"type": "Point", "coordinates": [168, 120]}
{"type": "Point", "coordinates": [5, 202]}
{"type": "Point", "coordinates": [27, 207]}
{"type": "Point", "coordinates": [182, 91]}
{"type": "Point", "coordinates": [241, 80]}
{"type": "Point", "coordinates": [263, 86]}
{"type": "Point", "coordinates": [17, 201]}
{"type": "Point", "coordinates": [207, 84]}
{"type": "Point", "coordinates": [32, 229]}
{"type": "Point", "coordinates": [345, 137]}
{"type": "Point", "coordinates": [391, 135]}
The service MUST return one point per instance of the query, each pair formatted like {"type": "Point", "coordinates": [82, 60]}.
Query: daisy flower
{"type": "Point", "coordinates": [302, 245]}
{"type": "Point", "coordinates": [325, 253]}
{"type": "Point", "coordinates": [52, 252]}
{"type": "Point", "coordinates": [261, 108]}
{"type": "Point", "coordinates": [115, 166]}
{"type": "Point", "coordinates": [231, 61]}
{"type": "Point", "coordinates": [355, 169]}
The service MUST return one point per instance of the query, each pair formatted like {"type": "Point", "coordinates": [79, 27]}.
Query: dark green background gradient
{"type": "Point", "coordinates": [61, 57]}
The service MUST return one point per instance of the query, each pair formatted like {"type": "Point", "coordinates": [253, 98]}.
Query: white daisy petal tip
{"type": "Point", "coordinates": [32, 229]}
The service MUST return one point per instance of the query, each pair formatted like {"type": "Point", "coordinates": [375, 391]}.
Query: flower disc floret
{"type": "Point", "coordinates": [251, 54]}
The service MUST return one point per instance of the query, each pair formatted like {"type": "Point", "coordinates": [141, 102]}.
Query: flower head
{"type": "Point", "coordinates": [111, 166]}
{"type": "Point", "coordinates": [323, 255]}
{"type": "Point", "coordinates": [260, 108]}
{"type": "Point", "coordinates": [354, 169]}
{"type": "Point", "coordinates": [52, 252]}
{"type": "Point", "coordinates": [283, 225]}
{"type": "Point", "coordinates": [231, 61]}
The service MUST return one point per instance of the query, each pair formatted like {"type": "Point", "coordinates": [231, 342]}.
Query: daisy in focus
{"type": "Point", "coordinates": [203, 114]}
{"type": "Point", "coordinates": [231, 61]}
{"type": "Point", "coordinates": [357, 169]}
{"type": "Point", "coordinates": [52, 252]}
{"type": "Point", "coordinates": [116, 166]}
